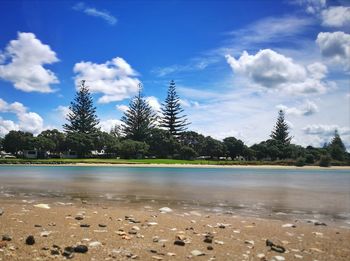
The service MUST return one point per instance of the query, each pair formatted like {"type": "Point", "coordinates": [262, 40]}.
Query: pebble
{"type": "Point", "coordinates": [80, 249]}
{"type": "Point", "coordinates": [218, 242]}
{"type": "Point", "coordinates": [210, 248]}
{"type": "Point", "coordinates": [55, 252]}
{"type": "Point", "coordinates": [1, 211]}
{"type": "Point", "coordinates": [68, 252]}
{"type": "Point", "coordinates": [179, 243]}
{"type": "Point", "coordinates": [317, 223]}
{"type": "Point", "coordinates": [45, 233]}
{"type": "Point", "coordinates": [44, 206]}
{"type": "Point", "coordinates": [152, 223]}
{"type": "Point", "coordinates": [95, 244]}
{"type": "Point", "coordinates": [102, 225]}
{"type": "Point", "coordinates": [157, 257]}
{"type": "Point", "coordinates": [289, 225]}
{"type": "Point", "coordinates": [79, 218]}
{"type": "Point", "coordinates": [30, 240]}
{"type": "Point", "coordinates": [298, 256]}
{"type": "Point", "coordinates": [249, 242]}
{"type": "Point", "coordinates": [171, 254]}
{"type": "Point", "coordinates": [279, 258]}
{"type": "Point", "coordinates": [6, 238]}
{"type": "Point", "coordinates": [165, 210]}
{"type": "Point", "coordinates": [197, 253]}
{"type": "Point", "coordinates": [260, 256]}
{"type": "Point", "coordinates": [155, 239]}
{"type": "Point", "coordinates": [84, 225]}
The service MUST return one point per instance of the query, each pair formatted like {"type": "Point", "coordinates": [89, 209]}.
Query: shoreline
{"type": "Point", "coordinates": [176, 165]}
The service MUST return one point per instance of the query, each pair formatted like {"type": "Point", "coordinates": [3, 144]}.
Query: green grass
{"type": "Point", "coordinates": [141, 161]}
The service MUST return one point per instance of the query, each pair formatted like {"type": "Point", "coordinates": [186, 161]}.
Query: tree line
{"type": "Point", "coordinates": [144, 133]}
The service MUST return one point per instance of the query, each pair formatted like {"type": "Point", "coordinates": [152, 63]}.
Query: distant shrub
{"type": "Point", "coordinates": [325, 161]}
{"type": "Point", "coordinates": [309, 159]}
{"type": "Point", "coordinates": [187, 153]}
{"type": "Point", "coordinates": [300, 162]}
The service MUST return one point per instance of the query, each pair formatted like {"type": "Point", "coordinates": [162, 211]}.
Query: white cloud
{"type": "Point", "coordinates": [122, 107]}
{"type": "Point", "coordinates": [24, 62]}
{"type": "Point", "coordinates": [335, 47]}
{"type": "Point", "coordinates": [115, 79]}
{"type": "Point", "coordinates": [271, 70]}
{"type": "Point", "coordinates": [105, 15]}
{"type": "Point", "coordinates": [312, 6]}
{"type": "Point", "coordinates": [27, 121]}
{"type": "Point", "coordinates": [154, 103]}
{"type": "Point", "coordinates": [325, 130]}
{"type": "Point", "coordinates": [336, 16]}
{"type": "Point", "coordinates": [63, 111]}
{"type": "Point", "coordinates": [107, 125]}
{"type": "Point", "coordinates": [307, 109]}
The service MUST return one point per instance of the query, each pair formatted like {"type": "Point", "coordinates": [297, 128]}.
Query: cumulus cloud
{"type": "Point", "coordinates": [27, 121]}
{"type": "Point", "coordinates": [107, 125]}
{"type": "Point", "coordinates": [325, 130]}
{"type": "Point", "coordinates": [122, 107]}
{"type": "Point", "coordinates": [23, 61]}
{"type": "Point", "coordinates": [307, 109]}
{"type": "Point", "coordinates": [336, 16]}
{"type": "Point", "coordinates": [335, 47]}
{"type": "Point", "coordinates": [271, 70]}
{"type": "Point", "coordinates": [154, 103]}
{"type": "Point", "coordinates": [63, 111]}
{"type": "Point", "coordinates": [312, 6]}
{"type": "Point", "coordinates": [105, 15]}
{"type": "Point", "coordinates": [115, 79]}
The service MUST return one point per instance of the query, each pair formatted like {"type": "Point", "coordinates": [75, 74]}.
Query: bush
{"type": "Point", "coordinates": [187, 153]}
{"type": "Point", "coordinates": [309, 159]}
{"type": "Point", "coordinates": [325, 161]}
{"type": "Point", "coordinates": [133, 149]}
{"type": "Point", "coordinates": [300, 162]}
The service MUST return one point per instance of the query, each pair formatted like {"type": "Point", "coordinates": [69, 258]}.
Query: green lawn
{"type": "Point", "coordinates": [138, 161]}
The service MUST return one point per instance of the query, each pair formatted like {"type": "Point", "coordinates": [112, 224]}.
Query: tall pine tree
{"type": "Point", "coordinates": [172, 120]}
{"type": "Point", "coordinates": [280, 132]}
{"type": "Point", "coordinates": [82, 122]}
{"type": "Point", "coordinates": [139, 119]}
{"type": "Point", "coordinates": [337, 148]}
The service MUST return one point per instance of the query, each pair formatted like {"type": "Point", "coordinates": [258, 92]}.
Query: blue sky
{"type": "Point", "coordinates": [235, 63]}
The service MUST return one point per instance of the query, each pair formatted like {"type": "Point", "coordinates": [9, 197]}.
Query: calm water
{"type": "Point", "coordinates": [249, 190]}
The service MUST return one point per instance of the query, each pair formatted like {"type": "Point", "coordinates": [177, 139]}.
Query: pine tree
{"type": "Point", "coordinates": [337, 148]}
{"type": "Point", "coordinates": [82, 118]}
{"type": "Point", "coordinates": [139, 119]}
{"type": "Point", "coordinates": [280, 132]}
{"type": "Point", "coordinates": [172, 120]}
{"type": "Point", "coordinates": [82, 122]}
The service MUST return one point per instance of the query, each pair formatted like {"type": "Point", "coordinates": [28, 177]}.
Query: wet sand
{"type": "Point", "coordinates": [139, 231]}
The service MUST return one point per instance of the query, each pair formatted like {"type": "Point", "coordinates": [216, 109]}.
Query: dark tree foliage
{"type": "Point", "coordinates": [16, 141]}
{"type": "Point", "coordinates": [193, 140]}
{"type": "Point", "coordinates": [133, 149]}
{"type": "Point", "coordinates": [234, 147]}
{"type": "Point", "coordinates": [213, 148]}
{"type": "Point", "coordinates": [172, 120]}
{"type": "Point", "coordinates": [162, 144]}
{"type": "Point", "coordinates": [337, 148]}
{"type": "Point", "coordinates": [280, 132]}
{"type": "Point", "coordinates": [82, 119]}
{"type": "Point", "coordinates": [139, 119]}
{"type": "Point", "coordinates": [56, 137]}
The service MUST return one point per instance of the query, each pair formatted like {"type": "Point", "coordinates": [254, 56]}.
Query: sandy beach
{"type": "Point", "coordinates": [105, 231]}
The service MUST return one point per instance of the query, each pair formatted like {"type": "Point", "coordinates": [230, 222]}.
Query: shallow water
{"type": "Point", "coordinates": [253, 191]}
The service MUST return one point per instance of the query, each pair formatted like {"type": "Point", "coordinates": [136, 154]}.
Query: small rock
{"type": "Point", "coordinates": [279, 258]}
{"type": "Point", "coordinates": [1, 211]}
{"type": "Point", "coordinates": [6, 238]}
{"type": "Point", "coordinates": [84, 225]}
{"type": "Point", "coordinates": [3, 244]}
{"type": "Point", "coordinates": [170, 254]}
{"type": "Point", "coordinates": [165, 210]}
{"type": "Point", "coordinates": [289, 225]}
{"type": "Point", "coordinates": [136, 228]}
{"type": "Point", "coordinates": [45, 233]}
{"type": "Point", "coordinates": [68, 252]}
{"type": "Point", "coordinates": [317, 223]}
{"type": "Point", "coordinates": [249, 242]}
{"type": "Point", "coordinates": [152, 223]}
{"type": "Point", "coordinates": [132, 232]}
{"type": "Point", "coordinates": [79, 218]}
{"type": "Point", "coordinates": [80, 249]}
{"type": "Point", "coordinates": [157, 257]}
{"type": "Point", "coordinates": [298, 256]}
{"type": "Point", "coordinates": [260, 256]}
{"type": "Point", "coordinates": [197, 253]}
{"type": "Point", "coordinates": [221, 226]}
{"type": "Point", "coordinates": [218, 242]}
{"type": "Point", "coordinates": [210, 248]}
{"type": "Point", "coordinates": [55, 252]}
{"type": "Point", "coordinates": [155, 239]}
{"type": "Point", "coordinates": [30, 240]}
{"type": "Point", "coordinates": [179, 243]}
{"type": "Point", "coordinates": [37, 225]}
{"type": "Point", "coordinates": [44, 206]}
{"type": "Point", "coordinates": [95, 244]}
{"type": "Point", "coordinates": [102, 225]}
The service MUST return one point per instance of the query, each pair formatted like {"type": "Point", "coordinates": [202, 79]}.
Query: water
{"type": "Point", "coordinates": [254, 191]}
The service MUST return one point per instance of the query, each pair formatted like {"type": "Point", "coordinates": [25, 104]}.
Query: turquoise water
{"type": "Point", "coordinates": [321, 191]}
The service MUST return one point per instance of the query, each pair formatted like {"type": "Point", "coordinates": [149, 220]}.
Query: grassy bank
{"type": "Point", "coordinates": [144, 161]}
